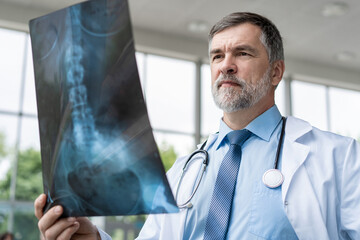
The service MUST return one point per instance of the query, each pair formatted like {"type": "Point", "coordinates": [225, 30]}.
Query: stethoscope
{"type": "Point", "coordinates": [272, 178]}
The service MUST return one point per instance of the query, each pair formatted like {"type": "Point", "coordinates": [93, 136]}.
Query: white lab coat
{"type": "Point", "coordinates": [320, 193]}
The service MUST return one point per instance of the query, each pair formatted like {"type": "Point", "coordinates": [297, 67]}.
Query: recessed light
{"type": "Point", "coordinates": [345, 56]}
{"type": "Point", "coordinates": [198, 26]}
{"type": "Point", "coordinates": [335, 9]}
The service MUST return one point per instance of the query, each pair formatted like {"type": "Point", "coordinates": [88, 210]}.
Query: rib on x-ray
{"type": "Point", "coordinates": [98, 152]}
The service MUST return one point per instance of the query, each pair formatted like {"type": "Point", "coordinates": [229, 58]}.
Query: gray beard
{"type": "Point", "coordinates": [229, 99]}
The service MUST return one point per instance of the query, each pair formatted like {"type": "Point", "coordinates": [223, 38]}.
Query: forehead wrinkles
{"type": "Point", "coordinates": [227, 37]}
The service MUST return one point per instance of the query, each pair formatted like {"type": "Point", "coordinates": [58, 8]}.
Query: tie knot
{"type": "Point", "coordinates": [238, 137]}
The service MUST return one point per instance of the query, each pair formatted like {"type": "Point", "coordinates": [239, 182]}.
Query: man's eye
{"type": "Point", "coordinates": [243, 54]}
{"type": "Point", "coordinates": [216, 57]}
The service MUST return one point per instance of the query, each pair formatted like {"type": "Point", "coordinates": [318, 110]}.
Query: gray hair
{"type": "Point", "coordinates": [270, 36]}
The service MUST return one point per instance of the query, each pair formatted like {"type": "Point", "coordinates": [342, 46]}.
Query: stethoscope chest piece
{"type": "Point", "coordinates": [273, 178]}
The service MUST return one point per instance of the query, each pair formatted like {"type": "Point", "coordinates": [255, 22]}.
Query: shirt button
{"type": "Point", "coordinates": [286, 203]}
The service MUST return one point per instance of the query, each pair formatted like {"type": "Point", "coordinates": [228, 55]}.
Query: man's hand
{"type": "Point", "coordinates": [52, 227]}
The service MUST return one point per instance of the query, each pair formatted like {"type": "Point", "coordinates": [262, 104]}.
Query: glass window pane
{"type": "Point", "coordinates": [30, 134]}
{"type": "Point", "coordinates": [8, 130]}
{"type": "Point", "coordinates": [3, 217]}
{"type": "Point", "coordinates": [29, 104]}
{"type": "Point", "coordinates": [210, 113]}
{"type": "Point", "coordinates": [170, 93]}
{"type": "Point", "coordinates": [5, 178]}
{"type": "Point", "coordinates": [29, 177]}
{"type": "Point", "coordinates": [309, 103]}
{"type": "Point", "coordinates": [124, 227]}
{"type": "Point", "coordinates": [345, 112]}
{"type": "Point", "coordinates": [25, 225]}
{"type": "Point", "coordinates": [183, 144]}
{"type": "Point", "coordinates": [280, 97]}
{"type": "Point", "coordinates": [172, 146]}
{"type": "Point", "coordinates": [140, 60]}
{"type": "Point", "coordinates": [12, 45]}
{"type": "Point", "coordinates": [8, 126]}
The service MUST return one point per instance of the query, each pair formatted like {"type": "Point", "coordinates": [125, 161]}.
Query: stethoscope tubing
{"type": "Point", "coordinates": [205, 163]}
{"type": "Point", "coordinates": [281, 141]}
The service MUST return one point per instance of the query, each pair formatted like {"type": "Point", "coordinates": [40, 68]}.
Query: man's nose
{"type": "Point", "coordinates": [228, 66]}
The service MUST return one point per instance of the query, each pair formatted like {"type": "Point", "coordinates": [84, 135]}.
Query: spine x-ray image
{"type": "Point", "coordinates": [98, 152]}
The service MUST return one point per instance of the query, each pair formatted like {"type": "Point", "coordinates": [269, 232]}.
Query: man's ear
{"type": "Point", "coordinates": [277, 73]}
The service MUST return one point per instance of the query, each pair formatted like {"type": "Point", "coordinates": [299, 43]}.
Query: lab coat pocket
{"type": "Point", "coordinates": [267, 216]}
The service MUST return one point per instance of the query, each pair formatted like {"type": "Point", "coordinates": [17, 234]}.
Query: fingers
{"type": "Point", "coordinates": [39, 204]}
{"type": "Point", "coordinates": [49, 219]}
{"type": "Point", "coordinates": [51, 227]}
{"type": "Point", "coordinates": [64, 230]}
{"type": "Point", "coordinates": [50, 224]}
{"type": "Point", "coordinates": [69, 231]}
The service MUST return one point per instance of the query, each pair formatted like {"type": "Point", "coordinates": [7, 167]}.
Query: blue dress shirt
{"type": "Point", "coordinates": [257, 211]}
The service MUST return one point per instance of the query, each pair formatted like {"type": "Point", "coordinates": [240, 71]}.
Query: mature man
{"type": "Point", "coordinates": [320, 195]}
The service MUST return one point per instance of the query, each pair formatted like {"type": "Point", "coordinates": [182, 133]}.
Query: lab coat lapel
{"type": "Point", "coordinates": [294, 153]}
{"type": "Point", "coordinates": [298, 193]}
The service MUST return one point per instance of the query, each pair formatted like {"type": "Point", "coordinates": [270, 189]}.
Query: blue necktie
{"type": "Point", "coordinates": [217, 222]}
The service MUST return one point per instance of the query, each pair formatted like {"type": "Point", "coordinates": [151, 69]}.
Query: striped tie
{"type": "Point", "coordinates": [217, 222]}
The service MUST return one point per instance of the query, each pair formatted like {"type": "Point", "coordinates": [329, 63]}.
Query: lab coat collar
{"type": "Point", "coordinates": [294, 133]}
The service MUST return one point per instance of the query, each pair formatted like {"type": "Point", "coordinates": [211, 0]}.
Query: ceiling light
{"type": "Point", "coordinates": [198, 26]}
{"type": "Point", "coordinates": [335, 9]}
{"type": "Point", "coordinates": [345, 56]}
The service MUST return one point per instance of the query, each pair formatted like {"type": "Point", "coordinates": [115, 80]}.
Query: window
{"type": "Point", "coordinates": [8, 129]}
{"type": "Point", "coordinates": [170, 93]}
{"type": "Point", "coordinates": [12, 46]}
{"type": "Point", "coordinates": [280, 97]}
{"type": "Point", "coordinates": [309, 103]}
{"type": "Point", "coordinates": [210, 113]}
{"type": "Point", "coordinates": [169, 87]}
{"type": "Point", "coordinates": [18, 126]}
{"type": "Point", "coordinates": [345, 112]}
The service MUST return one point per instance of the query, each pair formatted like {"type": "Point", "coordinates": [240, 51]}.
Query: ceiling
{"type": "Point", "coordinates": [307, 34]}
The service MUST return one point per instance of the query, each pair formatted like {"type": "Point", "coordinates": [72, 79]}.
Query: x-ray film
{"type": "Point", "coordinates": [98, 152]}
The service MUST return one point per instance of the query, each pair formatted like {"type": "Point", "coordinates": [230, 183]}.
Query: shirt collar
{"type": "Point", "coordinates": [263, 126]}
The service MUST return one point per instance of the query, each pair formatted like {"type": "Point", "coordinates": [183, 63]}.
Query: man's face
{"type": "Point", "coordinates": [240, 70]}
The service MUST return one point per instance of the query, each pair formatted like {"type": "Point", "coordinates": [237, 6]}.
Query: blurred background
{"type": "Point", "coordinates": [321, 84]}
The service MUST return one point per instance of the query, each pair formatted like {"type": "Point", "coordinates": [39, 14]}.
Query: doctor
{"type": "Point", "coordinates": [320, 195]}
